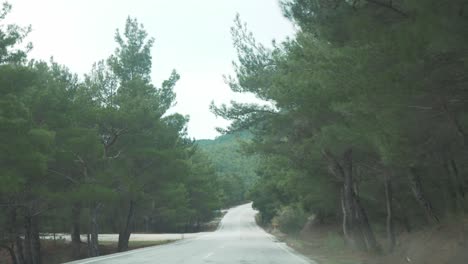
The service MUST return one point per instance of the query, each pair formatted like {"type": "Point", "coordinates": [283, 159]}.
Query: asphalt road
{"type": "Point", "coordinates": [238, 240]}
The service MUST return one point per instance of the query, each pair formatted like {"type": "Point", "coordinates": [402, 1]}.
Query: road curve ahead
{"type": "Point", "coordinates": [238, 240]}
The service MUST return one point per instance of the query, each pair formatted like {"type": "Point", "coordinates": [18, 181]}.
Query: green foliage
{"type": "Point", "coordinates": [82, 150]}
{"type": "Point", "coordinates": [236, 171]}
{"type": "Point", "coordinates": [384, 79]}
{"type": "Point", "coordinates": [10, 37]}
{"type": "Point", "coordinates": [290, 219]}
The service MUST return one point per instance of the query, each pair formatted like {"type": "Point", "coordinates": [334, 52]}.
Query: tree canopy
{"type": "Point", "coordinates": [235, 167]}
{"type": "Point", "coordinates": [92, 154]}
{"type": "Point", "coordinates": [368, 116]}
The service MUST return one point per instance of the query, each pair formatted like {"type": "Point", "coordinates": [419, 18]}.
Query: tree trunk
{"type": "Point", "coordinates": [353, 225]}
{"type": "Point", "coordinates": [389, 203]}
{"type": "Point", "coordinates": [11, 252]}
{"type": "Point", "coordinates": [15, 238]}
{"type": "Point", "coordinates": [416, 187]}
{"type": "Point", "coordinates": [12, 236]}
{"type": "Point", "coordinates": [76, 232]}
{"type": "Point", "coordinates": [32, 242]}
{"type": "Point", "coordinates": [35, 240]}
{"type": "Point", "coordinates": [27, 240]}
{"type": "Point", "coordinates": [353, 232]}
{"type": "Point", "coordinates": [460, 182]}
{"type": "Point", "coordinates": [356, 227]}
{"type": "Point", "coordinates": [124, 234]}
{"type": "Point", "coordinates": [88, 245]}
{"type": "Point", "coordinates": [146, 220]}
{"type": "Point", "coordinates": [451, 203]}
{"type": "Point", "coordinates": [19, 250]}
{"type": "Point", "coordinates": [362, 233]}
{"type": "Point", "coordinates": [95, 230]}
{"type": "Point", "coordinates": [402, 215]}
{"type": "Point", "coordinates": [345, 222]}
{"type": "Point", "coordinates": [366, 229]}
{"type": "Point", "coordinates": [462, 133]}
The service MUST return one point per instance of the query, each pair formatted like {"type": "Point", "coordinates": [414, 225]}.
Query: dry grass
{"type": "Point", "coordinates": [59, 251]}
{"type": "Point", "coordinates": [442, 244]}
{"type": "Point", "coordinates": [324, 245]}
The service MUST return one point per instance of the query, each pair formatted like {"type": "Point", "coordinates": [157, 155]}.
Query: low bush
{"type": "Point", "coordinates": [290, 219]}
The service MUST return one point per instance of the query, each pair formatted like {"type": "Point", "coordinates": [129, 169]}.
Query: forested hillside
{"type": "Point", "coordinates": [94, 154]}
{"type": "Point", "coordinates": [234, 166]}
{"type": "Point", "coordinates": [369, 120]}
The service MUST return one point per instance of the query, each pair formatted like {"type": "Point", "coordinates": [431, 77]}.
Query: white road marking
{"type": "Point", "coordinates": [109, 257]}
{"type": "Point", "coordinates": [115, 255]}
{"type": "Point", "coordinates": [209, 255]}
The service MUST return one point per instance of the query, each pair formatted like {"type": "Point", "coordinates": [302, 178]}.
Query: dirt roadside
{"type": "Point", "coordinates": [442, 244]}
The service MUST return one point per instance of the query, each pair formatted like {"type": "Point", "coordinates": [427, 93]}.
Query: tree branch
{"type": "Point", "coordinates": [64, 175]}
{"type": "Point", "coordinates": [116, 155]}
{"type": "Point", "coordinates": [389, 6]}
{"type": "Point", "coordinates": [115, 135]}
{"type": "Point", "coordinates": [334, 165]}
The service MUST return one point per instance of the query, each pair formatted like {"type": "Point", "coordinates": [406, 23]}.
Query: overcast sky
{"type": "Point", "coordinates": [191, 36]}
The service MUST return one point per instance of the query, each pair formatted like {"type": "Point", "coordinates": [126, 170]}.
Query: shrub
{"type": "Point", "coordinates": [290, 219]}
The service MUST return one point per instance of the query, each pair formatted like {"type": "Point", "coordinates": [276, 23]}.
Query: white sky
{"type": "Point", "coordinates": [191, 36]}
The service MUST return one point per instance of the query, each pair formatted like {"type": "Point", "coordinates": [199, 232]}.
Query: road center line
{"type": "Point", "coordinates": [209, 255]}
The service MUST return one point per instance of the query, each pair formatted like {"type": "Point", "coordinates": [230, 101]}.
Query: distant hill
{"type": "Point", "coordinates": [235, 169]}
